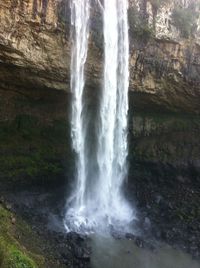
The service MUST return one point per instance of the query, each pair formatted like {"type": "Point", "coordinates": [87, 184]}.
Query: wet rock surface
{"type": "Point", "coordinates": [163, 184]}
{"type": "Point", "coordinates": [170, 212]}
{"type": "Point", "coordinates": [164, 178]}
{"type": "Point", "coordinates": [43, 210]}
{"type": "Point", "coordinates": [60, 249]}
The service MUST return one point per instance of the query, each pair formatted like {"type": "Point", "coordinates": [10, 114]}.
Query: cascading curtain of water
{"type": "Point", "coordinates": [80, 13]}
{"type": "Point", "coordinates": [105, 205]}
{"type": "Point", "coordinates": [113, 149]}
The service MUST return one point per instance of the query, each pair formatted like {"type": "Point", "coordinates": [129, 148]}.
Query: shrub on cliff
{"type": "Point", "coordinates": [158, 3]}
{"type": "Point", "coordinates": [185, 20]}
{"type": "Point", "coordinates": [139, 27]}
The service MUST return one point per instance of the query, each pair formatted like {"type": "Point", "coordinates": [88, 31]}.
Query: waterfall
{"type": "Point", "coordinates": [103, 204]}
{"type": "Point", "coordinates": [113, 149]}
{"type": "Point", "coordinates": [79, 37]}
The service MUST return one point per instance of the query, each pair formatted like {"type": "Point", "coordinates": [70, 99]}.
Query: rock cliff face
{"type": "Point", "coordinates": [35, 77]}
{"type": "Point", "coordinates": [33, 48]}
{"type": "Point", "coordinates": [159, 14]}
{"type": "Point", "coordinates": [165, 70]}
{"type": "Point", "coordinates": [164, 145]}
{"type": "Point", "coordinates": [165, 64]}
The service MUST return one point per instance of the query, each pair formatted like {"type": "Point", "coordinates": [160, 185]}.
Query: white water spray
{"type": "Point", "coordinates": [103, 204]}
{"type": "Point", "coordinates": [113, 149]}
{"type": "Point", "coordinates": [79, 36]}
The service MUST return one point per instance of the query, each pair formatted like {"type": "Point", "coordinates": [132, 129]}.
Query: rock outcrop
{"type": "Point", "coordinates": [165, 70]}
{"type": "Point", "coordinates": [35, 76]}
{"type": "Point", "coordinates": [165, 66]}
{"type": "Point", "coordinates": [34, 51]}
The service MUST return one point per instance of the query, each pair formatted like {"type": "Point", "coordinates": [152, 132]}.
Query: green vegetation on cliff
{"type": "Point", "coordinates": [29, 153]}
{"type": "Point", "coordinates": [185, 20]}
{"type": "Point", "coordinates": [139, 27]}
{"type": "Point", "coordinates": [12, 253]}
{"type": "Point", "coordinates": [158, 3]}
{"type": "Point", "coordinates": [160, 138]}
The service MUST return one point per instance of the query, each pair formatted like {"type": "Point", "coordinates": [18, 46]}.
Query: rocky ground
{"type": "Point", "coordinates": [169, 213]}
{"type": "Point", "coordinates": [36, 216]}
{"type": "Point", "coordinates": [164, 178]}
{"type": "Point", "coordinates": [36, 227]}
{"type": "Point", "coordinates": [166, 214]}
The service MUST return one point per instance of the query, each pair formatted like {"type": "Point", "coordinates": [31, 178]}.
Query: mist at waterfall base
{"type": "Point", "coordinates": [112, 253]}
{"type": "Point", "coordinates": [97, 202]}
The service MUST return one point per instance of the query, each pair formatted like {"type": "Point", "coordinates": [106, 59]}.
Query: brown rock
{"type": "Point", "coordinates": [35, 54]}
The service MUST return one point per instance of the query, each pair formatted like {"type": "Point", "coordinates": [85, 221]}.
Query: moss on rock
{"type": "Point", "coordinates": [34, 151]}
{"type": "Point", "coordinates": [162, 138]}
{"type": "Point", "coordinates": [12, 253]}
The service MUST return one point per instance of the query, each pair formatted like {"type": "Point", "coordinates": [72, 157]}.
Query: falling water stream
{"type": "Point", "coordinates": [103, 204]}
{"type": "Point", "coordinates": [112, 143]}
{"type": "Point", "coordinates": [97, 202]}
{"type": "Point", "coordinates": [80, 10]}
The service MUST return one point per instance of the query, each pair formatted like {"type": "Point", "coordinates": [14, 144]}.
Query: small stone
{"type": "Point", "coordinates": [2, 200]}
{"type": "Point", "coordinates": [13, 220]}
{"type": "Point", "coordinates": [147, 223]}
{"type": "Point", "coordinates": [86, 257]}
{"type": "Point", "coordinates": [8, 207]}
{"type": "Point", "coordinates": [139, 243]}
{"type": "Point", "coordinates": [130, 236]}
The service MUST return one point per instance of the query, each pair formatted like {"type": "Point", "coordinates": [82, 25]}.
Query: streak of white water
{"type": "Point", "coordinates": [103, 204]}
{"type": "Point", "coordinates": [113, 149]}
{"type": "Point", "coordinates": [79, 35]}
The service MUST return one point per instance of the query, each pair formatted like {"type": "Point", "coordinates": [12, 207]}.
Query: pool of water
{"type": "Point", "coordinates": [108, 252]}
